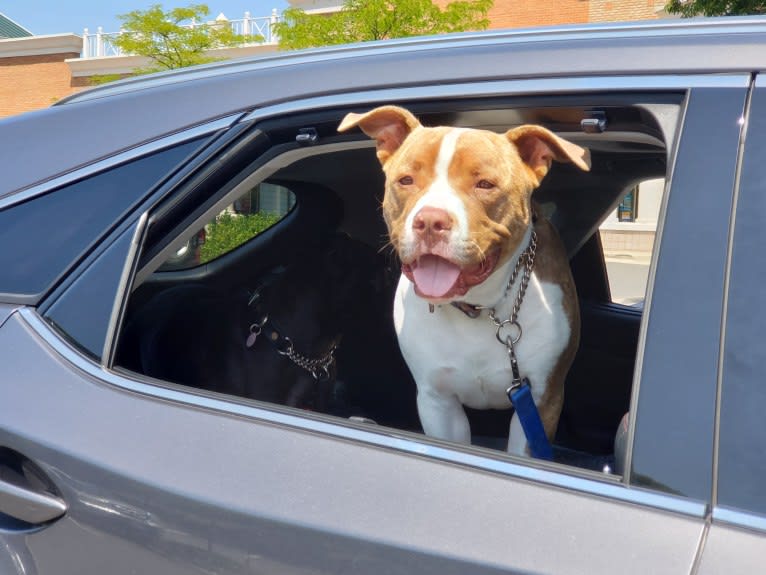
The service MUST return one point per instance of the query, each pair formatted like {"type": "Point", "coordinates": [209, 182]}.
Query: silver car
{"type": "Point", "coordinates": [198, 371]}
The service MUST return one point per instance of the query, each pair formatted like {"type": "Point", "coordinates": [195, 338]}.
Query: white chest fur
{"type": "Point", "coordinates": [457, 360]}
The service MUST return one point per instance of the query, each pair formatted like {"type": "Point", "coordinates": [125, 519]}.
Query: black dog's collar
{"type": "Point", "coordinates": [321, 368]}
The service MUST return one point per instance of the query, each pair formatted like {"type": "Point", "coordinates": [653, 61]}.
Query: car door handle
{"type": "Point", "coordinates": [29, 506]}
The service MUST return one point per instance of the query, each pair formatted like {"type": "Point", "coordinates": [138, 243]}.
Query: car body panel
{"type": "Point", "coordinates": [178, 487]}
{"type": "Point", "coordinates": [5, 312]}
{"type": "Point", "coordinates": [731, 549]}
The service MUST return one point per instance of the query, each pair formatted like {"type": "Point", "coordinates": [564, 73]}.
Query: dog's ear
{"type": "Point", "coordinates": [389, 126]}
{"type": "Point", "coordinates": [538, 147]}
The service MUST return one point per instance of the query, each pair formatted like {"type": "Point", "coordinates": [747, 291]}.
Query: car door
{"type": "Point", "coordinates": [736, 541]}
{"type": "Point", "coordinates": [148, 476]}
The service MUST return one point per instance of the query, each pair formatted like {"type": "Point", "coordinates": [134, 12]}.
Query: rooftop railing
{"type": "Point", "coordinates": [258, 29]}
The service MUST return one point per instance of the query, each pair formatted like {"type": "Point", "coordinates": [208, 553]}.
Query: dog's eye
{"type": "Point", "coordinates": [406, 181]}
{"type": "Point", "coordinates": [485, 185]}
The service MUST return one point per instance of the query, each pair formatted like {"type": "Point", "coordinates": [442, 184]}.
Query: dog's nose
{"type": "Point", "coordinates": [431, 221]}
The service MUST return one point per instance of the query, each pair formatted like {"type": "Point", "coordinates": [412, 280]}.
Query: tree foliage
{"type": "Point", "coordinates": [168, 39]}
{"type": "Point", "coordinates": [364, 20]}
{"type": "Point", "coordinates": [688, 8]}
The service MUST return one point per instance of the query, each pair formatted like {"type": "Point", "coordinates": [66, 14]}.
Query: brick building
{"type": "Point", "coordinates": [528, 13]}
{"type": "Point", "coordinates": [510, 14]}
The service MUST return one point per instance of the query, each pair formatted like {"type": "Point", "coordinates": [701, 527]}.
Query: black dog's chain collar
{"type": "Point", "coordinates": [319, 368]}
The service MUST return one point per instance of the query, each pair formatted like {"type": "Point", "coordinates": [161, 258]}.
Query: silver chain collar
{"type": "Point", "coordinates": [319, 367]}
{"type": "Point", "coordinates": [524, 266]}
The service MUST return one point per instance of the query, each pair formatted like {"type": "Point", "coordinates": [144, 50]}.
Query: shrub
{"type": "Point", "coordinates": [229, 231]}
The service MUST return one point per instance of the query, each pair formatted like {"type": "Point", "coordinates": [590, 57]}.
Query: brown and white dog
{"type": "Point", "coordinates": [459, 213]}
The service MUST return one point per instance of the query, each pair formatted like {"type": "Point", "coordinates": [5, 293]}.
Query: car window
{"type": "Point", "coordinates": [741, 465]}
{"type": "Point", "coordinates": [303, 318]}
{"type": "Point", "coordinates": [627, 237]}
{"type": "Point", "coordinates": [41, 237]}
{"type": "Point", "coordinates": [95, 291]}
{"type": "Point", "coordinates": [253, 212]}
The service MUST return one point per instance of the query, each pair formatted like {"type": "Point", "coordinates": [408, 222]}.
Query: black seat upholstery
{"type": "Point", "coordinates": [599, 383]}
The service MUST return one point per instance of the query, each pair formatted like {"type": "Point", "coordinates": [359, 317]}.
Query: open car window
{"type": "Point", "coordinates": [299, 315]}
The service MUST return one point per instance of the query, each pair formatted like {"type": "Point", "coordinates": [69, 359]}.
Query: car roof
{"type": "Point", "coordinates": [705, 35]}
{"type": "Point", "coordinates": [104, 121]}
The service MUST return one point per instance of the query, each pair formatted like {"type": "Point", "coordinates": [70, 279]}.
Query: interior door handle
{"type": "Point", "coordinates": [29, 506]}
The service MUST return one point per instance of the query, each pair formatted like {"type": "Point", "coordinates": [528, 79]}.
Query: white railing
{"type": "Point", "coordinates": [259, 29]}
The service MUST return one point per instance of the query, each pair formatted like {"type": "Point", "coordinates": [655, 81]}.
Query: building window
{"type": "Point", "coordinates": [627, 211]}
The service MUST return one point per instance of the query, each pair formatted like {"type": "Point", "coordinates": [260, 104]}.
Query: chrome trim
{"type": "Point", "coordinates": [118, 308]}
{"type": "Point", "coordinates": [532, 470]}
{"type": "Point", "coordinates": [475, 89]}
{"type": "Point", "coordinates": [745, 119]}
{"type": "Point", "coordinates": [6, 311]}
{"type": "Point", "coordinates": [31, 506]}
{"type": "Point", "coordinates": [739, 518]}
{"type": "Point", "coordinates": [18, 196]}
{"type": "Point", "coordinates": [701, 542]}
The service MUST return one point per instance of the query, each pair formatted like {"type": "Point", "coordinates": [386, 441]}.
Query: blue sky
{"type": "Point", "coordinates": [59, 16]}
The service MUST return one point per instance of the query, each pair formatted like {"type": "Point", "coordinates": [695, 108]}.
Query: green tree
{"type": "Point", "coordinates": [168, 39]}
{"type": "Point", "coordinates": [364, 20]}
{"type": "Point", "coordinates": [687, 8]}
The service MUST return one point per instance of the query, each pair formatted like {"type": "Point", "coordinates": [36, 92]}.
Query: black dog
{"type": "Point", "coordinates": [283, 341]}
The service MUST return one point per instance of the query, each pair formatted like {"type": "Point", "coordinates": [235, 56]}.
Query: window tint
{"type": "Point", "coordinates": [252, 213]}
{"type": "Point", "coordinates": [741, 463]}
{"type": "Point", "coordinates": [41, 237]}
{"type": "Point", "coordinates": [85, 308]}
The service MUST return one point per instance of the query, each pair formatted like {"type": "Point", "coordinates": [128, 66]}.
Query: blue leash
{"type": "Point", "coordinates": [520, 394]}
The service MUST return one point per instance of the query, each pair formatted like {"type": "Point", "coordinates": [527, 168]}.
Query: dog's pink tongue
{"type": "Point", "coordinates": [434, 276]}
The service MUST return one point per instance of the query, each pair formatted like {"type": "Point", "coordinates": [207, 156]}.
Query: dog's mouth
{"type": "Point", "coordinates": [439, 279]}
